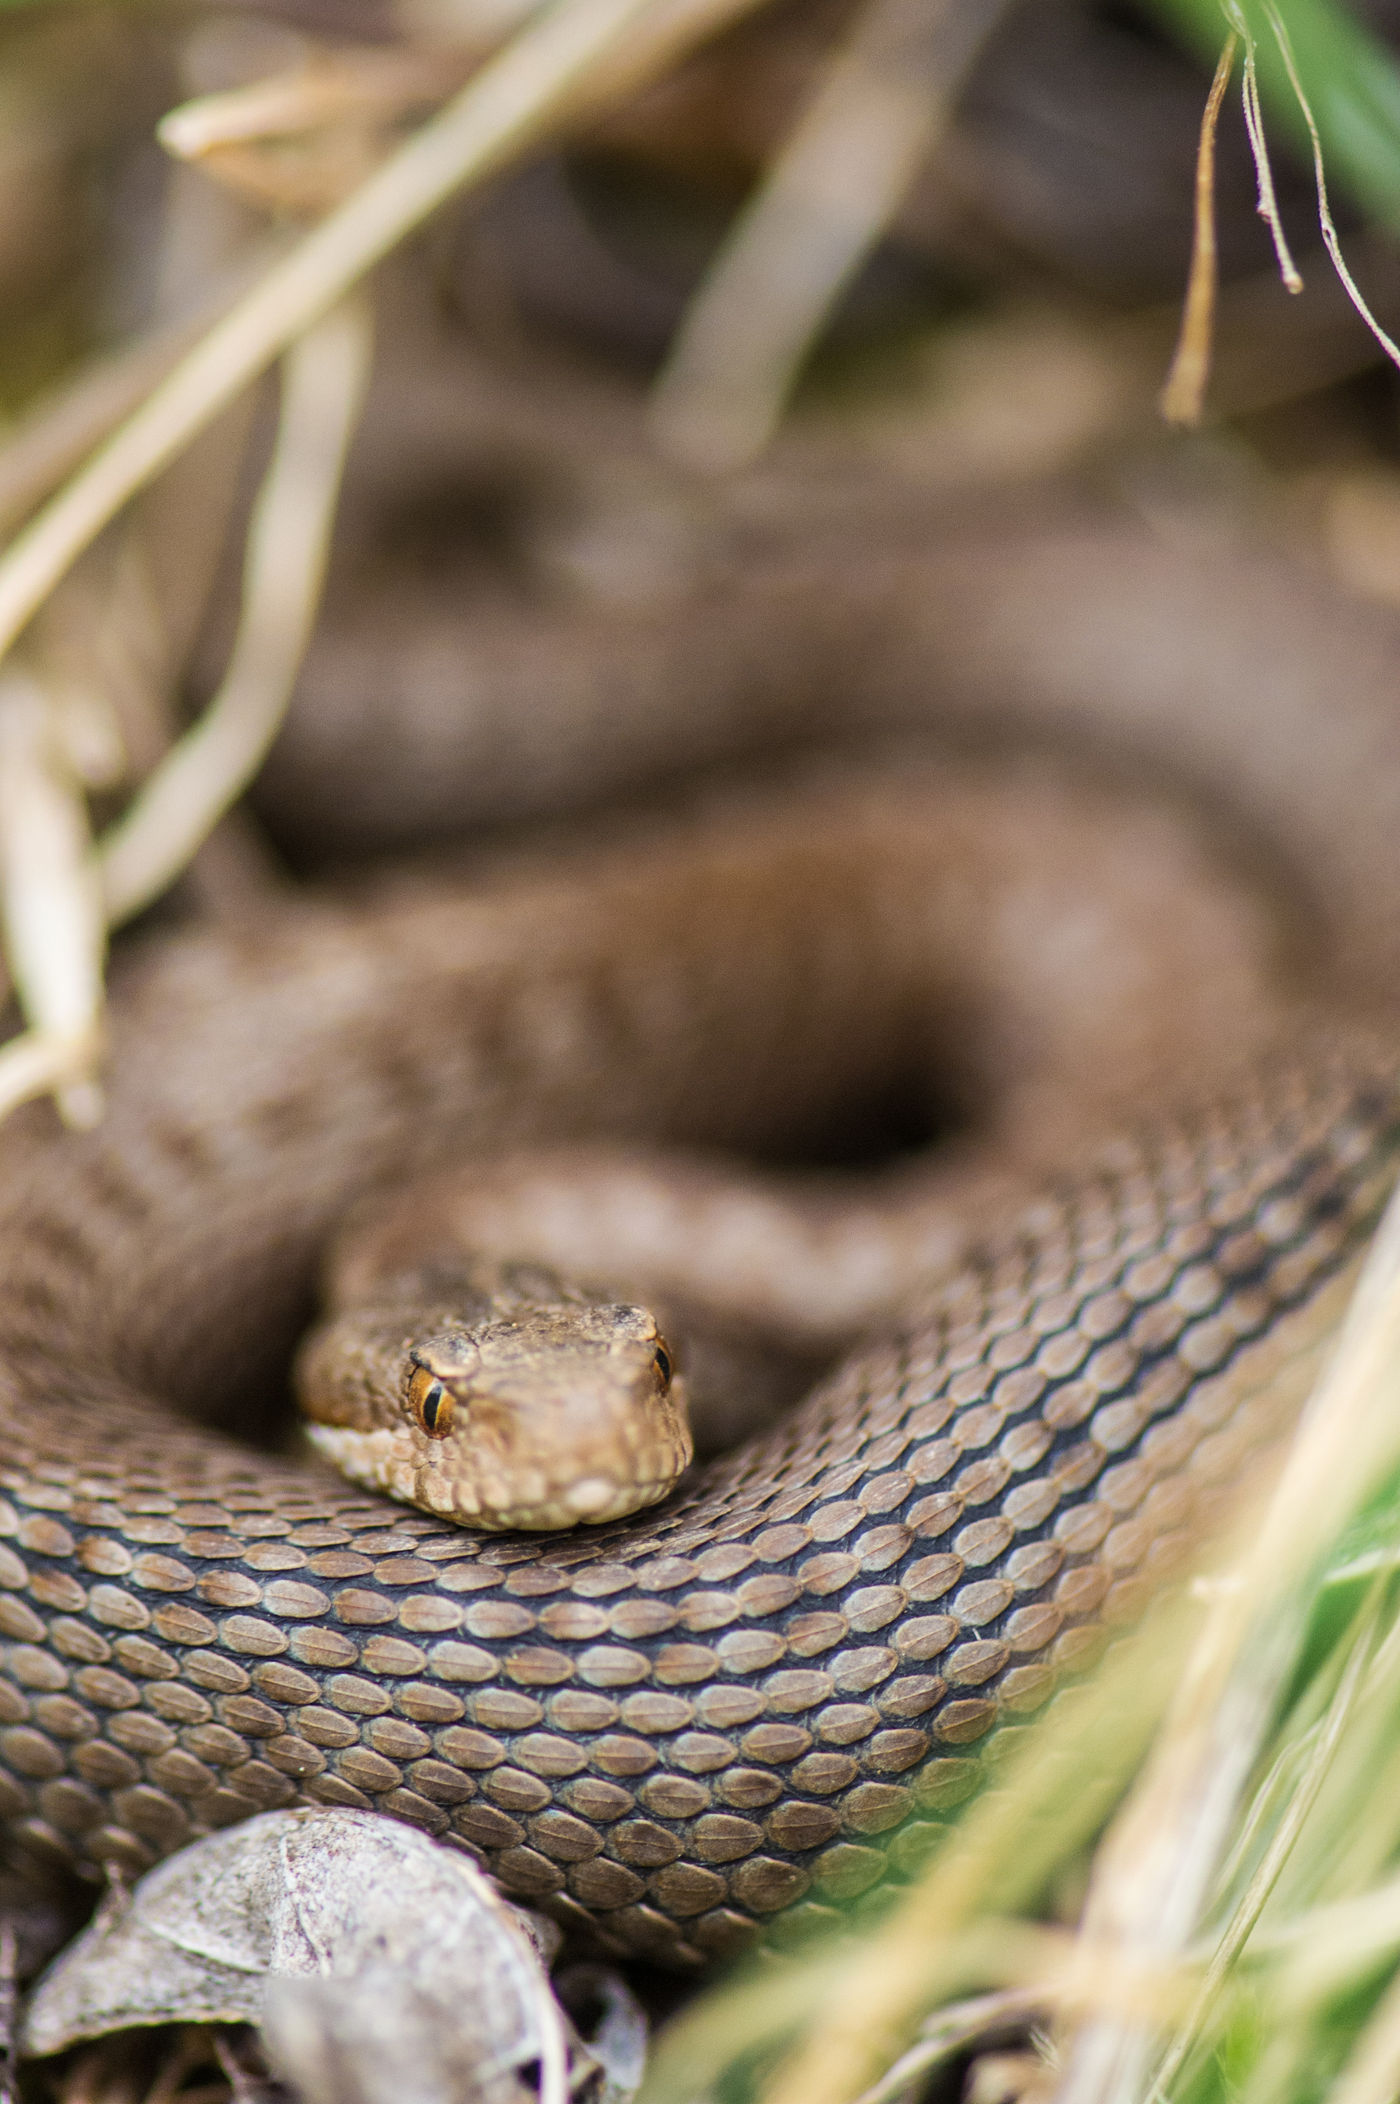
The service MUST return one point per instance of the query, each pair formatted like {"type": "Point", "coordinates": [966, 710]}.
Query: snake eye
{"type": "Point", "coordinates": [430, 1403]}
{"type": "Point", "coordinates": [661, 1359]}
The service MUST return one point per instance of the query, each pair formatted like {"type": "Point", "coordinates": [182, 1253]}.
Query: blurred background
{"type": "Point", "coordinates": [786, 277]}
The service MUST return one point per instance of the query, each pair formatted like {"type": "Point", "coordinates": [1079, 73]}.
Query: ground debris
{"type": "Point", "coordinates": [377, 1965]}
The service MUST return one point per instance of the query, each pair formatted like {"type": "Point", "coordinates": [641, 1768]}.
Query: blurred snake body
{"type": "Point", "coordinates": [759, 1697]}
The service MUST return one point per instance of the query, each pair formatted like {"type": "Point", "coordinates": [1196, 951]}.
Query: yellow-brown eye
{"type": "Point", "coordinates": [430, 1403]}
{"type": "Point", "coordinates": [662, 1360]}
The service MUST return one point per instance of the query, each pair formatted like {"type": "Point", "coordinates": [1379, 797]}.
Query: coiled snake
{"type": "Point", "coordinates": [754, 1698]}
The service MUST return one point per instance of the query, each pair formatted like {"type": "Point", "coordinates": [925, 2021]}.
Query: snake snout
{"type": "Point", "coordinates": [579, 1420]}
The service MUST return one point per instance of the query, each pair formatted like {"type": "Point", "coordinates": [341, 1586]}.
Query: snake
{"type": "Point", "coordinates": [746, 1708]}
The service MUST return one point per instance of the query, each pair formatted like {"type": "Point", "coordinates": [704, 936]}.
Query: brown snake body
{"type": "Point", "coordinates": [757, 1697]}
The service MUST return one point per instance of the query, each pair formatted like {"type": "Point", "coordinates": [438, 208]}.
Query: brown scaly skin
{"type": "Point", "coordinates": [1240, 677]}
{"type": "Point", "coordinates": [755, 1696]}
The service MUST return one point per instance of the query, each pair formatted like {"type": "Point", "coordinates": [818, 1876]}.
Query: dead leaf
{"type": "Point", "coordinates": [381, 1967]}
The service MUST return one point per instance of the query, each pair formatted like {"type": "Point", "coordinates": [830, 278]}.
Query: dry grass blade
{"type": "Point", "coordinates": [348, 85]}
{"type": "Point", "coordinates": [288, 545]}
{"type": "Point", "coordinates": [55, 936]}
{"type": "Point", "coordinates": [1259, 148]}
{"type": "Point", "coordinates": [982, 2020]}
{"type": "Point", "coordinates": [300, 140]}
{"type": "Point", "coordinates": [823, 205]}
{"type": "Point", "coordinates": [1183, 397]}
{"type": "Point", "coordinates": [1324, 209]}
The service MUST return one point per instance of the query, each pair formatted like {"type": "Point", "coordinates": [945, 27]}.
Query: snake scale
{"type": "Point", "coordinates": [754, 1700]}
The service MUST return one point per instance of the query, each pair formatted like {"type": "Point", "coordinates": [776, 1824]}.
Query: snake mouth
{"type": "Point", "coordinates": [390, 1461]}
{"type": "Point", "coordinates": [602, 1501]}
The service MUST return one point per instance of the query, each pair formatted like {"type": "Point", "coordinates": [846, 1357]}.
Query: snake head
{"type": "Point", "coordinates": [533, 1410]}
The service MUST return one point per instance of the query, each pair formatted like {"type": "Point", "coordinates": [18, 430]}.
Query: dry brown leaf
{"type": "Point", "coordinates": [381, 1967]}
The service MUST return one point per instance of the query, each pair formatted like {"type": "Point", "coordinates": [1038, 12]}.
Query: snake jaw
{"type": "Point", "coordinates": [391, 1459]}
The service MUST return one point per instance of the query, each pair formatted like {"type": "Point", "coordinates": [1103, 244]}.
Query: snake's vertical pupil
{"type": "Point", "coordinates": [430, 1403]}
